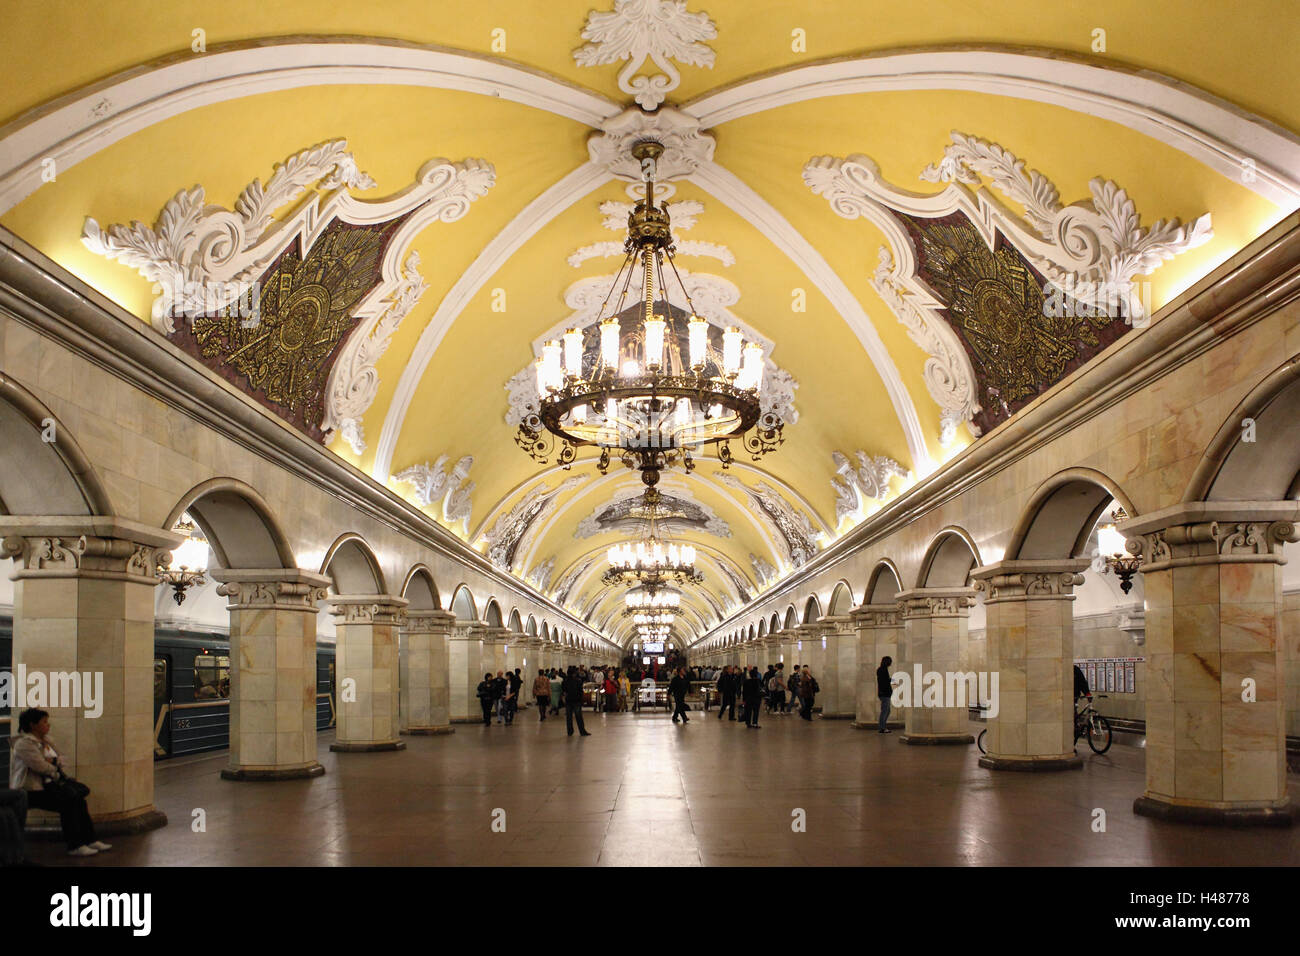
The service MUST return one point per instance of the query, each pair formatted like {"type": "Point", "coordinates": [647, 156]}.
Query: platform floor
{"type": "Point", "coordinates": [642, 791]}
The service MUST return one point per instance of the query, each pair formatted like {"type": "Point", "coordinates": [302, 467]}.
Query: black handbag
{"type": "Point", "coordinates": [67, 787]}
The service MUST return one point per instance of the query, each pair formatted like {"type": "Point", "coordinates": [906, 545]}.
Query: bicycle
{"type": "Point", "coordinates": [1088, 723]}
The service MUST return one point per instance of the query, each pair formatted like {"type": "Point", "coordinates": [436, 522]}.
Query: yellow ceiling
{"type": "Point", "coordinates": [1231, 50]}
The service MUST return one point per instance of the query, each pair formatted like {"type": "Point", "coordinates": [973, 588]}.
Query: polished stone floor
{"type": "Point", "coordinates": [642, 791]}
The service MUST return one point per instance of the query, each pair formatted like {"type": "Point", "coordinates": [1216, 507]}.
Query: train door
{"type": "Point", "coordinates": [162, 704]}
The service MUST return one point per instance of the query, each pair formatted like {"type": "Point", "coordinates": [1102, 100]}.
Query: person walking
{"type": "Point", "coordinates": [752, 691]}
{"type": "Point", "coordinates": [515, 683]}
{"type": "Point", "coordinates": [777, 688]}
{"type": "Point", "coordinates": [884, 690]}
{"type": "Point", "coordinates": [678, 688]}
{"type": "Point", "coordinates": [573, 701]}
{"type": "Point", "coordinates": [36, 767]}
{"type": "Point", "coordinates": [557, 691]}
{"type": "Point", "coordinates": [793, 687]}
{"type": "Point", "coordinates": [808, 690]}
{"type": "Point", "coordinates": [726, 693]}
{"type": "Point", "coordinates": [624, 692]}
{"type": "Point", "coordinates": [542, 692]}
{"type": "Point", "coordinates": [499, 686]}
{"type": "Point", "coordinates": [487, 697]}
{"type": "Point", "coordinates": [610, 700]}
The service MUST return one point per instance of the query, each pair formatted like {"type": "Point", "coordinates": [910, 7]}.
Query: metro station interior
{"type": "Point", "coordinates": [352, 355]}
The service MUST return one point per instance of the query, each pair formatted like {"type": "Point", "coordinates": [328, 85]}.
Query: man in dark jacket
{"type": "Point", "coordinates": [516, 682]}
{"type": "Point", "coordinates": [486, 697]}
{"type": "Point", "coordinates": [884, 690]}
{"type": "Point", "coordinates": [678, 688]}
{"type": "Point", "coordinates": [752, 692]}
{"type": "Point", "coordinates": [727, 692]}
{"type": "Point", "coordinates": [573, 702]}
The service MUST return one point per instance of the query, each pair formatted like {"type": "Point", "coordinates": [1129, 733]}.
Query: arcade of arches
{"type": "Point", "coordinates": [313, 351]}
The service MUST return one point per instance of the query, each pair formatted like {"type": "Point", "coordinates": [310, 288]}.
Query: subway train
{"type": "Point", "coordinates": [191, 688]}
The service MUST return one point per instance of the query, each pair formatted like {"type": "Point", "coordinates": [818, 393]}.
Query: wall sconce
{"type": "Point", "coordinates": [189, 562]}
{"type": "Point", "coordinates": [1114, 554]}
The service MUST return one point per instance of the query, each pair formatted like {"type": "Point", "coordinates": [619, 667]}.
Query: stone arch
{"type": "Point", "coordinates": [492, 613]}
{"type": "Point", "coordinates": [1266, 469]}
{"type": "Point", "coordinates": [351, 564]}
{"type": "Point", "coordinates": [762, 627]}
{"type": "Point", "coordinates": [516, 623]}
{"type": "Point", "coordinates": [841, 601]}
{"type": "Point", "coordinates": [238, 523]}
{"type": "Point", "coordinates": [752, 634]}
{"type": "Point", "coordinates": [39, 477]}
{"type": "Point", "coordinates": [463, 604]}
{"type": "Point", "coordinates": [791, 618]}
{"type": "Point", "coordinates": [775, 624]}
{"type": "Point", "coordinates": [419, 589]}
{"type": "Point", "coordinates": [885, 582]}
{"type": "Point", "coordinates": [546, 633]}
{"type": "Point", "coordinates": [811, 606]}
{"type": "Point", "coordinates": [530, 628]}
{"type": "Point", "coordinates": [1060, 516]}
{"type": "Point", "coordinates": [949, 560]}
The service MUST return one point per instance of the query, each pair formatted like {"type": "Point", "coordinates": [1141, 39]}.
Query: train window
{"type": "Point", "coordinates": [211, 676]}
{"type": "Point", "coordinates": [159, 681]}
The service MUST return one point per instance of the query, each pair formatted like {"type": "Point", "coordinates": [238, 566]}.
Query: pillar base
{"type": "Point", "coordinates": [429, 731]}
{"type": "Point", "coordinates": [1032, 764]}
{"type": "Point", "coordinates": [468, 720]}
{"type": "Point", "coordinates": [293, 773]}
{"type": "Point", "coordinates": [140, 821]}
{"type": "Point", "coordinates": [936, 739]}
{"type": "Point", "coordinates": [346, 748]}
{"type": "Point", "coordinates": [1279, 816]}
{"type": "Point", "coordinates": [826, 716]}
{"type": "Point", "coordinates": [875, 725]}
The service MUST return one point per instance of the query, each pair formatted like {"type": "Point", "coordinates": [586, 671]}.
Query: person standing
{"type": "Point", "coordinates": [499, 685]}
{"type": "Point", "coordinates": [678, 688]}
{"type": "Point", "coordinates": [515, 685]}
{"type": "Point", "coordinates": [884, 690]}
{"type": "Point", "coordinates": [752, 691]}
{"type": "Point", "coordinates": [624, 692]}
{"type": "Point", "coordinates": [557, 691]}
{"type": "Point", "coordinates": [777, 687]}
{"type": "Point", "coordinates": [793, 687]}
{"type": "Point", "coordinates": [487, 697]}
{"type": "Point", "coordinates": [808, 689]}
{"type": "Point", "coordinates": [573, 701]}
{"type": "Point", "coordinates": [726, 693]}
{"type": "Point", "coordinates": [542, 692]}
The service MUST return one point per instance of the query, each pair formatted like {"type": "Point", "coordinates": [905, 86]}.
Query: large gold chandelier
{"type": "Point", "coordinates": [650, 564]}
{"type": "Point", "coordinates": [637, 395]}
{"type": "Point", "coordinates": [648, 599]}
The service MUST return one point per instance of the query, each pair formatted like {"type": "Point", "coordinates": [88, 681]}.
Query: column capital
{"type": "Point", "coordinates": [368, 608]}
{"type": "Point", "coordinates": [936, 602]}
{"type": "Point", "coordinates": [467, 630]}
{"type": "Point", "coordinates": [1037, 580]}
{"type": "Point", "coordinates": [877, 615]}
{"type": "Point", "coordinates": [428, 621]}
{"type": "Point", "coordinates": [497, 635]}
{"type": "Point", "coordinates": [839, 624]}
{"type": "Point", "coordinates": [86, 547]}
{"type": "Point", "coordinates": [1213, 532]}
{"type": "Point", "coordinates": [280, 588]}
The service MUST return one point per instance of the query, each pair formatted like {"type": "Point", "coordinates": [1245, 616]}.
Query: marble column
{"type": "Point", "coordinates": [423, 676]}
{"type": "Point", "coordinates": [879, 631]}
{"type": "Point", "coordinates": [839, 700]}
{"type": "Point", "coordinates": [1212, 576]}
{"type": "Point", "coordinates": [1030, 641]}
{"type": "Point", "coordinates": [273, 618]}
{"type": "Point", "coordinates": [83, 605]}
{"type": "Point", "coordinates": [934, 633]}
{"type": "Point", "coordinates": [812, 654]}
{"type": "Point", "coordinates": [368, 712]}
{"type": "Point", "coordinates": [465, 671]}
{"type": "Point", "coordinates": [494, 649]}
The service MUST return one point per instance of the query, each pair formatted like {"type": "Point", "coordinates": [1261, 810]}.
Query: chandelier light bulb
{"type": "Point", "coordinates": [751, 375]}
{"type": "Point", "coordinates": [731, 340]}
{"type": "Point", "coordinates": [580, 414]}
{"type": "Point", "coordinates": [654, 342]}
{"type": "Point", "coordinates": [540, 367]}
{"type": "Point", "coordinates": [551, 364]}
{"type": "Point", "coordinates": [631, 369]}
{"type": "Point", "coordinates": [192, 555]}
{"type": "Point", "coordinates": [573, 353]}
{"type": "Point", "coordinates": [683, 415]}
{"type": "Point", "coordinates": [1110, 542]}
{"type": "Point", "coordinates": [609, 332]}
{"type": "Point", "coordinates": [699, 340]}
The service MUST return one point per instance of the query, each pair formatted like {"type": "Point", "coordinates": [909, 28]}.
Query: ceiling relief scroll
{"type": "Point", "coordinates": [294, 311]}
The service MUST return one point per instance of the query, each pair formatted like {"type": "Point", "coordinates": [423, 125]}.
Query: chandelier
{"type": "Point", "coordinates": [642, 396]}
{"type": "Point", "coordinates": [1114, 554]}
{"type": "Point", "coordinates": [189, 562]}
{"type": "Point", "coordinates": [655, 617]}
{"type": "Point", "coordinates": [643, 598]}
{"type": "Point", "coordinates": [650, 563]}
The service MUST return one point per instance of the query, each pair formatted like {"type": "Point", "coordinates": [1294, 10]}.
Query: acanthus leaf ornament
{"type": "Point", "coordinates": [658, 30]}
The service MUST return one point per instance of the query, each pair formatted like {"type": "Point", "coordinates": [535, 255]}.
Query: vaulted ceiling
{"type": "Point", "coordinates": [124, 105]}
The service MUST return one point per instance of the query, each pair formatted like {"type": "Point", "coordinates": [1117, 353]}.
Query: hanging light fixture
{"type": "Point", "coordinates": [1114, 552]}
{"type": "Point", "coordinates": [656, 394]}
{"type": "Point", "coordinates": [189, 562]}
{"type": "Point", "coordinates": [649, 617]}
{"type": "Point", "coordinates": [649, 599]}
{"type": "Point", "coordinates": [650, 563]}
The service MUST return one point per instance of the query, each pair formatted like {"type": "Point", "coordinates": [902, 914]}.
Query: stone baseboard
{"type": "Point", "coordinates": [429, 731]}
{"type": "Point", "coordinates": [149, 819]}
{"type": "Point", "coordinates": [346, 748]}
{"type": "Point", "coordinates": [297, 773]}
{"type": "Point", "coordinates": [1031, 764]}
{"type": "Point", "coordinates": [826, 716]}
{"type": "Point", "coordinates": [928, 740]}
{"type": "Point", "coordinates": [875, 725]}
{"type": "Point", "coordinates": [1283, 816]}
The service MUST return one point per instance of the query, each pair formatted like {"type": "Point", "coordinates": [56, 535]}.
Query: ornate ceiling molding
{"type": "Point", "coordinates": [869, 481]}
{"type": "Point", "coordinates": [638, 30]}
{"type": "Point", "coordinates": [506, 539]}
{"type": "Point", "coordinates": [686, 145]}
{"type": "Point", "coordinates": [1208, 128]}
{"type": "Point", "coordinates": [519, 230]}
{"type": "Point", "coordinates": [679, 513]}
{"type": "Point", "coordinates": [1092, 250]}
{"type": "Point", "coordinates": [444, 491]}
{"type": "Point", "coordinates": [794, 529]}
{"type": "Point", "coordinates": [204, 259]}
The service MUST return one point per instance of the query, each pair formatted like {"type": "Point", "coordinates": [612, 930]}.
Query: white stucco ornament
{"type": "Point", "coordinates": [657, 30]}
{"type": "Point", "coordinates": [686, 146]}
